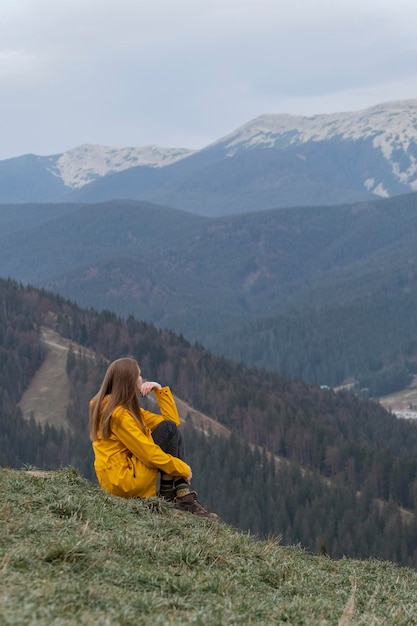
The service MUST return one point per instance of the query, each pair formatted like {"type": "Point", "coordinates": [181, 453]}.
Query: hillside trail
{"type": "Point", "coordinates": [48, 395]}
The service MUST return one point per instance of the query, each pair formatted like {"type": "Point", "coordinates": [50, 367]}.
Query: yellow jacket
{"type": "Point", "coordinates": [127, 463]}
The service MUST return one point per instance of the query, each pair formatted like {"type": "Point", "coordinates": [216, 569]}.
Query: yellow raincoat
{"type": "Point", "coordinates": [127, 463]}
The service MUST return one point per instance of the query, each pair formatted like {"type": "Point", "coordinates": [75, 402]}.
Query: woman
{"type": "Point", "coordinates": [132, 445]}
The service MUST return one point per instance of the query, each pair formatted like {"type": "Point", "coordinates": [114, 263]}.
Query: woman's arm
{"type": "Point", "coordinates": [167, 407]}
{"type": "Point", "coordinates": [126, 429]}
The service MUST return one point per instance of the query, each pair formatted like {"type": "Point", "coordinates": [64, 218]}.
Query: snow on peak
{"type": "Point", "coordinates": [82, 165]}
{"type": "Point", "coordinates": [391, 126]}
{"type": "Point", "coordinates": [391, 119]}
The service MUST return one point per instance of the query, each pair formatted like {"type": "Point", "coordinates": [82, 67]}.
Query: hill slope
{"type": "Point", "coordinates": [72, 554]}
{"type": "Point", "coordinates": [279, 289]}
{"type": "Point", "coordinates": [347, 468]}
{"type": "Point", "coordinates": [48, 396]}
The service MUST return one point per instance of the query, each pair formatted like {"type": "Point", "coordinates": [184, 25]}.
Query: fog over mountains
{"type": "Point", "coordinates": [272, 161]}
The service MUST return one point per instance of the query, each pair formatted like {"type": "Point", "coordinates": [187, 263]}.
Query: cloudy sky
{"type": "Point", "coordinates": [183, 73]}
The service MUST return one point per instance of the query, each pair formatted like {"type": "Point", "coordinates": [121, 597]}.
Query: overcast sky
{"type": "Point", "coordinates": [183, 73]}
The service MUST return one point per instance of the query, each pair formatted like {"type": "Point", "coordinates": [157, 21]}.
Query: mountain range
{"type": "Point", "coordinates": [212, 245]}
{"type": "Point", "coordinates": [272, 161]}
{"type": "Point", "coordinates": [323, 293]}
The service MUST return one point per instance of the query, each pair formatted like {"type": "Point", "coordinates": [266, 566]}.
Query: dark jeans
{"type": "Point", "coordinates": [167, 436]}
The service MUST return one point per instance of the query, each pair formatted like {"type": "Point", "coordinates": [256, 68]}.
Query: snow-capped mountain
{"type": "Point", "coordinates": [82, 165]}
{"type": "Point", "coordinates": [392, 119]}
{"type": "Point", "coordinates": [272, 161]}
{"type": "Point", "coordinates": [391, 127]}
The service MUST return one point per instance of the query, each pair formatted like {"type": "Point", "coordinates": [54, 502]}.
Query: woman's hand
{"type": "Point", "coordinates": [148, 386]}
{"type": "Point", "coordinates": [189, 477]}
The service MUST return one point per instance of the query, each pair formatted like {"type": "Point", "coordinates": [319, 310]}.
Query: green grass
{"type": "Point", "coordinates": [70, 554]}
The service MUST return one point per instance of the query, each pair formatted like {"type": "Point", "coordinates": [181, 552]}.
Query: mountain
{"type": "Point", "coordinates": [82, 165]}
{"type": "Point", "coordinates": [32, 178]}
{"type": "Point", "coordinates": [272, 161]}
{"type": "Point", "coordinates": [390, 128]}
{"type": "Point", "coordinates": [323, 293]}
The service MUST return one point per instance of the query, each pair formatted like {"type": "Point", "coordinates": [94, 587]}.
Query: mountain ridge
{"type": "Point", "coordinates": [83, 164]}
{"type": "Point", "coordinates": [348, 124]}
{"type": "Point", "coordinates": [272, 161]}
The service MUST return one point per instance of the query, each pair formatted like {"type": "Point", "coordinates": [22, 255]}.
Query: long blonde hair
{"type": "Point", "coordinates": [119, 388]}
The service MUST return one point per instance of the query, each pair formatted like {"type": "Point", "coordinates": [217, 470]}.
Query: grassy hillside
{"type": "Point", "coordinates": [72, 554]}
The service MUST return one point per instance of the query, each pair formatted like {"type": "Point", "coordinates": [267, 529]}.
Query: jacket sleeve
{"type": "Point", "coordinates": [167, 407]}
{"type": "Point", "coordinates": [126, 429]}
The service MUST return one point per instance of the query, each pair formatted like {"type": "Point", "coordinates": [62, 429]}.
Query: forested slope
{"type": "Point", "coordinates": [321, 449]}
{"type": "Point", "coordinates": [318, 293]}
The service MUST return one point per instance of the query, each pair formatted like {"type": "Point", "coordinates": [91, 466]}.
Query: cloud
{"type": "Point", "coordinates": [185, 72]}
{"type": "Point", "coordinates": [15, 64]}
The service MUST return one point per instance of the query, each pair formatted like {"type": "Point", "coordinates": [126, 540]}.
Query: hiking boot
{"type": "Point", "coordinates": [168, 495]}
{"type": "Point", "coordinates": [190, 504]}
